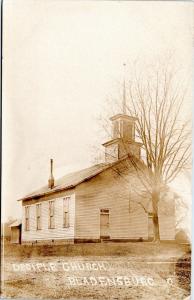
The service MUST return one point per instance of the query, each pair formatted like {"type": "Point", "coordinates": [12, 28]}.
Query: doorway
{"type": "Point", "coordinates": [104, 224]}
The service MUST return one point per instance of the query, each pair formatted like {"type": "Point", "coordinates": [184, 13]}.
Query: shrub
{"type": "Point", "coordinates": [182, 237]}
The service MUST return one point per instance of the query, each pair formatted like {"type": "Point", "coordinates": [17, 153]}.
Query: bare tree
{"type": "Point", "coordinates": [156, 100]}
{"type": "Point", "coordinates": [155, 97]}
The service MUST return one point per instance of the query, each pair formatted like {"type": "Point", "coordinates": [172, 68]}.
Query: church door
{"type": "Point", "coordinates": [104, 223]}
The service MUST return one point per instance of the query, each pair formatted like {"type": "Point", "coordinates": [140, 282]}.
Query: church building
{"type": "Point", "coordinates": [103, 202]}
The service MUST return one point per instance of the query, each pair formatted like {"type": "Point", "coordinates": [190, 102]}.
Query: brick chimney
{"type": "Point", "coordinates": [51, 181]}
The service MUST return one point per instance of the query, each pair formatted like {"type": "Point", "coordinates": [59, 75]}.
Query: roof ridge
{"type": "Point", "coordinates": [72, 179]}
{"type": "Point", "coordinates": [57, 187]}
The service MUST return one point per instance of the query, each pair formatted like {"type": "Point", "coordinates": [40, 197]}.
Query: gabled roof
{"type": "Point", "coordinates": [123, 116]}
{"type": "Point", "coordinates": [70, 180]}
{"type": "Point", "coordinates": [16, 223]}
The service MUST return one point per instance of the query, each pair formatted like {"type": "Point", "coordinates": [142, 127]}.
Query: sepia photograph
{"type": "Point", "coordinates": [96, 149]}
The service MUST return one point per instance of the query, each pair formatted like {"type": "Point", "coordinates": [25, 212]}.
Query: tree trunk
{"type": "Point", "coordinates": [155, 200]}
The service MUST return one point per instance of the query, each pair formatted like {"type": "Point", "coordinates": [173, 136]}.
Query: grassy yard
{"type": "Point", "coordinates": [97, 271]}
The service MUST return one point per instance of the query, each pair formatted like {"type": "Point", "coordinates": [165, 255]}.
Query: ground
{"type": "Point", "coordinates": [97, 271]}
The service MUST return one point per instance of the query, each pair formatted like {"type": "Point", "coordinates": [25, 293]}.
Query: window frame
{"type": "Point", "coordinates": [66, 203]}
{"type": "Point", "coordinates": [27, 218]}
{"type": "Point", "coordinates": [38, 216]}
{"type": "Point", "coordinates": [128, 131]}
{"type": "Point", "coordinates": [116, 129]}
{"type": "Point", "coordinates": [51, 224]}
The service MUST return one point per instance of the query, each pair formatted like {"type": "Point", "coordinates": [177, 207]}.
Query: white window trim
{"type": "Point", "coordinates": [25, 218]}
{"type": "Point", "coordinates": [40, 208]}
{"type": "Point", "coordinates": [67, 198]}
{"type": "Point", "coordinates": [51, 216]}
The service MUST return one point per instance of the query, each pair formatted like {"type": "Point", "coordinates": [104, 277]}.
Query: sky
{"type": "Point", "coordinates": [61, 61]}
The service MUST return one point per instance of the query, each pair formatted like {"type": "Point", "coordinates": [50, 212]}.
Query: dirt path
{"type": "Point", "coordinates": [108, 277]}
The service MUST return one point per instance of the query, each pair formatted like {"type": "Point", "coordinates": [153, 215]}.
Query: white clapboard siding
{"type": "Point", "coordinates": [166, 214]}
{"type": "Point", "coordinates": [167, 223]}
{"type": "Point", "coordinates": [167, 227]}
{"type": "Point", "coordinates": [108, 191]}
{"type": "Point", "coordinates": [59, 232]}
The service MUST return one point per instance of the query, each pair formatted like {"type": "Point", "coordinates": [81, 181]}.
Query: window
{"type": "Point", "coordinates": [66, 211]}
{"type": "Point", "coordinates": [116, 129]}
{"type": "Point", "coordinates": [27, 214]}
{"type": "Point", "coordinates": [38, 216]}
{"type": "Point", "coordinates": [51, 215]}
{"type": "Point", "coordinates": [128, 131]}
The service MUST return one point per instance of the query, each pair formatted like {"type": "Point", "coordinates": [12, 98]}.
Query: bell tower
{"type": "Point", "coordinates": [123, 141]}
{"type": "Point", "coordinates": [123, 126]}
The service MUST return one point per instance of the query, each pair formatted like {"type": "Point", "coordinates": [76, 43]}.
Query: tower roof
{"type": "Point", "coordinates": [116, 140]}
{"type": "Point", "coordinates": [123, 116]}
